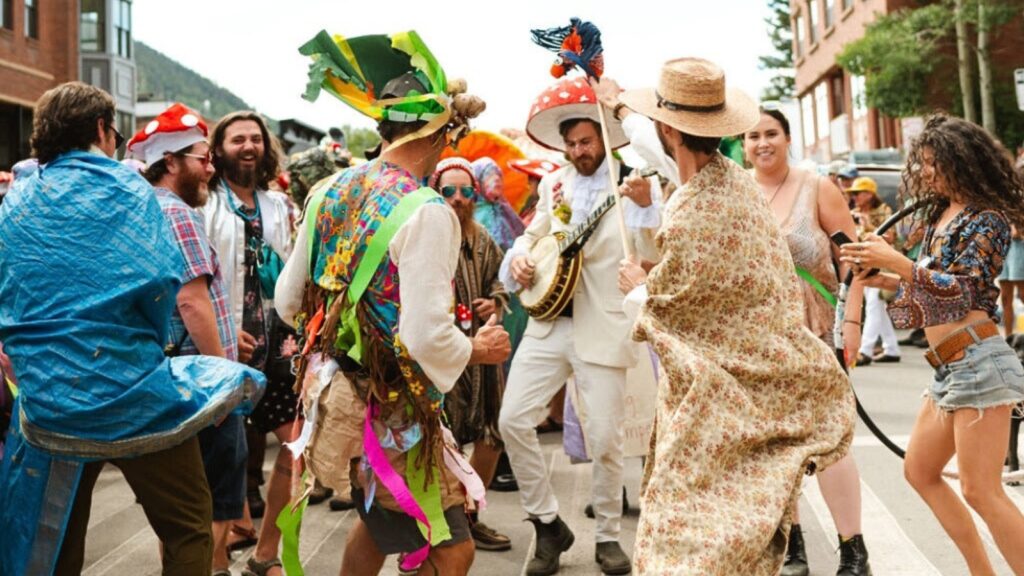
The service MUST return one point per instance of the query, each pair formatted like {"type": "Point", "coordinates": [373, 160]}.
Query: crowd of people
{"type": "Point", "coordinates": [166, 315]}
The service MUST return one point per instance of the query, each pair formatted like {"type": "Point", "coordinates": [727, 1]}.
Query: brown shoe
{"type": "Point", "coordinates": [486, 538]}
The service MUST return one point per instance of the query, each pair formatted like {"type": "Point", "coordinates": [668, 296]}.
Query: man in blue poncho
{"type": "Point", "coordinates": [88, 280]}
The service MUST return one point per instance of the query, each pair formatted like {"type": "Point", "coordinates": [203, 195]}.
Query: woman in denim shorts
{"type": "Point", "coordinates": [973, 195]}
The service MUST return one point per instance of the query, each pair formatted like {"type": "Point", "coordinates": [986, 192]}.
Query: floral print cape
{"type": "Point", "coordinates": [748, 398]}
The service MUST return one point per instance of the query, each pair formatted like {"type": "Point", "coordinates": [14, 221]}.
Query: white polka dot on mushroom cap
{"type": "Point", "coordinates": [152, 126]}
{"type": "Point", "coordinates": [189, 120]}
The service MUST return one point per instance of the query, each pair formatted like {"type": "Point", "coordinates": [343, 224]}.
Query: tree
{"type": "Point", "coordinates": [783, 83]}
{"type": "Point", "coordinates": [963, 56]}
{"type": "Point", "coordinates": [896, 55]}
{"type": "Point", "coordinates": [359, 140]}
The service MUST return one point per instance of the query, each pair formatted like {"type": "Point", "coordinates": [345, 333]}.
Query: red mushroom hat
{"type": "Point", "coordinates": [535, 168]}
{"type": "Point", "coordinates": [174, 129]}
{"type": "Point", "coordinates": [568, 99]}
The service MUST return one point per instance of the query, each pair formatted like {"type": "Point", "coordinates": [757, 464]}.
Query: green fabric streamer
{"type": "Point", "coordinates": [828, 296]}
{"type": "Point", "coordinates": [289, 521]}
{"type": "Point", "coordinates": [349, 335]}
{"type": "Point", "coordinates": [428, 498]}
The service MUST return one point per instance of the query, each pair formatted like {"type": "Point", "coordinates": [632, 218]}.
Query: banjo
{"type": "Point", "coordinates": [558, 261]}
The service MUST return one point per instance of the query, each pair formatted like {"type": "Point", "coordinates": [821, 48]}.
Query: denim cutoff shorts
{"type": "Point", "coordinates": [989, 374]}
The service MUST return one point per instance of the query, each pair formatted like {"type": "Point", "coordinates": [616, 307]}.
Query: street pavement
{"type": "Point", "coordinates": [902, 536]}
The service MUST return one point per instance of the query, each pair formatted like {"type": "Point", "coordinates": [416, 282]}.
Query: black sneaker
{"type": "Point", "coordinates": [885, 359]}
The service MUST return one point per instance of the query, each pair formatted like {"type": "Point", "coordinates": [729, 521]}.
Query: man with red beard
{"type": "Point", "coordinates": [250, 228]}
{"type": "Point", "coordinates": [474, 404]}
{"type": "Point", "coordinates": [177, 156]}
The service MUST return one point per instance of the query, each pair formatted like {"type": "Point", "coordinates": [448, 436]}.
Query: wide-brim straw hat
{"type": "Point", "coordinates": [692, 97]}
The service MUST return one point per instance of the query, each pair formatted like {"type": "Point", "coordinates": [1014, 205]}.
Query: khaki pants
{"type": "Point", "coordinates": [171, 486]}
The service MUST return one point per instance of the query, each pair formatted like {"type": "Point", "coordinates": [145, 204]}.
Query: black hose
{"type": "Point", "coordinates": [864, 416]}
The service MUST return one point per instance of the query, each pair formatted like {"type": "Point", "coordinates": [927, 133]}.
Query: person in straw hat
{"type": "Point", "coordinates": [742, 413]}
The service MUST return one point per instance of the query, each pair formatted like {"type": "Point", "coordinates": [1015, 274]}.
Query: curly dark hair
{"type": "Point", "coordinates": [269, 166]}
{"type": "Point", "coordinates": [972, 165]}
{"type": "Point", "coordinates": [65, 119]}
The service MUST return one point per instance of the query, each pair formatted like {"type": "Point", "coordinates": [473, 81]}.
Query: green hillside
{"type": "Point", "coordinates": [161, 78]}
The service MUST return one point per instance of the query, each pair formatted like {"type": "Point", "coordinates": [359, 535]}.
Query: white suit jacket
{"type": "Point", "coordinates": [600, 328]}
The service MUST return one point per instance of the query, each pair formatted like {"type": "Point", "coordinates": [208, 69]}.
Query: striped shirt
{"type": "Point", "coordinates": [200, 260]}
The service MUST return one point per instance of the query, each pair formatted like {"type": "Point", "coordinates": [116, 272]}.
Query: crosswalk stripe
{"type": "Point", "coordinates": [892, 552]}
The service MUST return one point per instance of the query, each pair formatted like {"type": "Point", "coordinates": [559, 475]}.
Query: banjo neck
{"type": "Point", "coordinates": [578, 236]}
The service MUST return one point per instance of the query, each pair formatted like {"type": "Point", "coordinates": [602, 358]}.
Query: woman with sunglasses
{"type": "Point", "coordinates": [474, 404]}
{"type": "Point", "coordinates": [972, 196]}
{"type": "Point", "coordinates": [809, 208]}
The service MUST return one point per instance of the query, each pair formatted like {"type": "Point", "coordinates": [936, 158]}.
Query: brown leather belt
{"type": "Point", "coordinates": [952, 347]}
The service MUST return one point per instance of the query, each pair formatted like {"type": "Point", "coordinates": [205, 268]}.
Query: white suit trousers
{"type": "Point", "coordinates": [877, 323]}
{"type": "Point", "coordinates": [540, 367]}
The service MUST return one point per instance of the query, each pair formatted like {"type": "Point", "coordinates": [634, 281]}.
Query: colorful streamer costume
{"type": "Point", "coordinates": [352, 306]}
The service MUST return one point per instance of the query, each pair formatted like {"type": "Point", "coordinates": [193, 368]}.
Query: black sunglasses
{"type": "Point", "coordinates": [468, 192]}
{"type": "Point", "coordinates": [118, 139]}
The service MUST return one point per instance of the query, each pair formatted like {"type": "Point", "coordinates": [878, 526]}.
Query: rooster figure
{"type": "Point", "coordinates": [577, 45]}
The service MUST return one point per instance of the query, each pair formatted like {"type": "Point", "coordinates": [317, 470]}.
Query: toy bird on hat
{"type": "Point", "coordinates": [578, 45]}
{"type": "Point", "coordinates": [175, 129]}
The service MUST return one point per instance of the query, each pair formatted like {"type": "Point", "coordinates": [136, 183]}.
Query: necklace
{"type": "Point", "coordinates": [779, 187]}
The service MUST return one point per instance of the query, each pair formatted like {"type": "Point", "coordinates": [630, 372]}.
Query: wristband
{"type": "Point", "coordinates": [615, 111]}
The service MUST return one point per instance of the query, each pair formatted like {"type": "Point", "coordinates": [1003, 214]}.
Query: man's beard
{"type": "Point", "coordinates": [244, 176]}
{"type": "Point", "coordinates": [191, 189]}
{"type": "Point", "coordinates": [464, 212]}
{"type": "Point", "coordinates": [586, 164]}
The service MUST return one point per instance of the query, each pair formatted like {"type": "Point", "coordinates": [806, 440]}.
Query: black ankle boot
{"type": "Point", "coordinates": [796, 554]}
{"type": "Point", "coordinates": [853, 557]}
{"type": "Point", "coordinates": [552, 540]}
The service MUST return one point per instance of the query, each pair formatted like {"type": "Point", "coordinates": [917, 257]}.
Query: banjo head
{"type": "Point", "coordinates": [545, 256]}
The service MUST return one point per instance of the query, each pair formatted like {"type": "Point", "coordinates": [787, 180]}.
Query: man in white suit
{"type": "Point", "coordinates": [590, 340]}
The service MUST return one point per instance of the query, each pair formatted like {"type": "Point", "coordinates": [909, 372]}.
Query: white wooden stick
{"type": "Point", "coordinates": [613, 177]}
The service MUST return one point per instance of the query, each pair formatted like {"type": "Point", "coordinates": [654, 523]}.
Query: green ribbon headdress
{"type": "Point", "coordinates": [356, 71]}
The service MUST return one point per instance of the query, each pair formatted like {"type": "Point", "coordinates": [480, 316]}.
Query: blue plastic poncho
{"type": "Point", "coordinates": [89, 275]}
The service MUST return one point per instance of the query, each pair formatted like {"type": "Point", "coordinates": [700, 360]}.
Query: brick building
{"type": "Point", "coordinates": [834, 119]}
{"type": "Point", "coordinates": [35, 55]}
{"type": "Point", "coordinates": [44, 43]}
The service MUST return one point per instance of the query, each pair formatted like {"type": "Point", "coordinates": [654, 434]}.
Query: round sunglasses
{"type": "Point", "coordinates": [468, 192]}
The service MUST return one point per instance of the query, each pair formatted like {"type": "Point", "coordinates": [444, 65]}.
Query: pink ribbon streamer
{"type": "Point", "coordinates": [380, 465]}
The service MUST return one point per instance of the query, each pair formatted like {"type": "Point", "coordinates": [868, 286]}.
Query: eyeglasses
{"type": "Point", "coordinates": [204, 159]}
{"type": "Point", "coordinates": [118, 139]}
{"type": "Point", "coordinates": [468, 192]}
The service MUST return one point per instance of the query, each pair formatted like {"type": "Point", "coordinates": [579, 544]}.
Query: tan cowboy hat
{"type": "Point", "coordinates": [692, 97]}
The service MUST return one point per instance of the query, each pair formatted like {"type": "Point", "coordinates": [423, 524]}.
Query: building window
{"type": "Point", "coordinates": [798, 34]}
{"type": "Point", "coordinates": [858, 97]}
{"type": "Point", "coordinates": [812, 21]}
{"type": "Point", "coordinates": [838, 96]}
{"type": "Point", "coordinates": [31, 19]}
{"type": "Point", "coordinates": [847, 4]}
{"type": "Point", "coordinates": [807, 120]}
{"type": "Point", "coordinates": [830, 11]}
{"type": "Point", "coordinates": [92, 26]}
{"type": "Point", "coordinates": [7, 14]}
{"type": "Point", "coordinates": [821, 109]}
{"type": "Point", "coordinates": [123, 27]}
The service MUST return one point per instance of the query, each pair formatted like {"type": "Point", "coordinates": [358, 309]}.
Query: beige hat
{"type": "Point", "coordinates": [692, 97]}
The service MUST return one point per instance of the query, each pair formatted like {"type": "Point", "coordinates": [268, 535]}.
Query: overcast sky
{"type": "Point", "coordinates": [251, 46]}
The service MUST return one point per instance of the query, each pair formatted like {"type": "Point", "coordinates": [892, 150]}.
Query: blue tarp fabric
{"type": "Point", "coordinates": [89, 273]}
